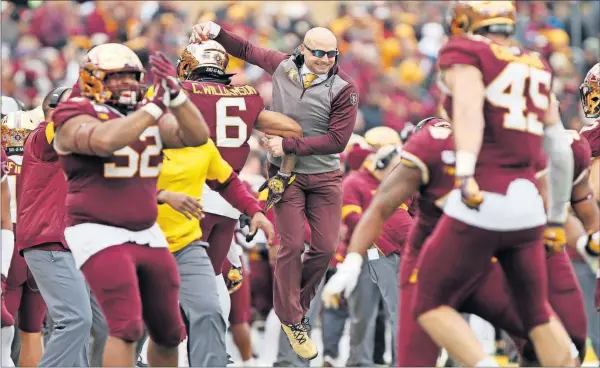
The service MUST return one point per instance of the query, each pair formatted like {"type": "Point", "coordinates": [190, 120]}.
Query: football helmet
{"type": "Point", "coordinates": [208, 54]}
{"type": "Point", "coordinates": [16, 126]}
{"type": "Point", "coordinates": [107, 59]}
{"type": "Point", "coordinates": [10, 104]}
{"type": "Point", "coordinates": [382, 136]}
{"type": "Point", "coordinates": [481, 16]}
{"type": "Point", "coordinates": [385, 155]}
{"type": "Point", "coordinates": [356, 140]}
{"type": "Point", "coordinates": [589, 93]}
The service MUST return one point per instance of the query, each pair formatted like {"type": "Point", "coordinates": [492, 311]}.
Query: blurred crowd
{"type": "Point", "coordinates": [388, 48]}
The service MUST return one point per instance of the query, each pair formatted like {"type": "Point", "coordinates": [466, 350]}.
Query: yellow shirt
{"type": "Point", "coordinates": [185, 170]}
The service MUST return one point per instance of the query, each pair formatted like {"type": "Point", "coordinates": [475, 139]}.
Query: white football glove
{"type": "Point", "coordinates": [204, 31]}
{"type": "Point", "coordinates": [344, 279]}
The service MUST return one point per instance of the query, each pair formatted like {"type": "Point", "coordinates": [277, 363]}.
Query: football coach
{"type": "Point", "coordinates": [308, 86]}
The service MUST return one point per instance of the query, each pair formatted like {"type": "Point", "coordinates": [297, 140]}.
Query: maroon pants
{"type": "Point", "coordinates": [137, 285]}
{"type": "Point", "coordinates": [240, 299]}
{"type": "Point", "coordinates": [261, 288]}
{"type": "Point", "coordinates": [217, 231]}
{"type": "Point", "coordinates": [456, 255]}
{"type": "Point", "coordinates": [318, 197]}
{"type": "Point", "coordinates": [7, 319]}
{"type": "Point", "coordinates": [22, 295]}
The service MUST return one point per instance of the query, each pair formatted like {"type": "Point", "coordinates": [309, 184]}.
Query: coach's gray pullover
{"type": "Point", "coordinates": [326, 110]}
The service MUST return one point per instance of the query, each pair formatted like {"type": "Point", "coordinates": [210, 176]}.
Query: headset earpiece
{"type": "Point", "coordinates": [56, 95]}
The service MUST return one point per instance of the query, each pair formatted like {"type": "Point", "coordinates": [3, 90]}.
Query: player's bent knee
{"type": "Point", "coordinates": [170, 338]}
{"type": "Point", "coordinates": [129, 331]}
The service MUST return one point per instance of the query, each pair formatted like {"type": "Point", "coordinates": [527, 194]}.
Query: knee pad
{"type": "Point", "coordinates": [129, 331]}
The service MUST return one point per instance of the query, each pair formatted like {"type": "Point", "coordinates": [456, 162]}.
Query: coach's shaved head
{"type": "Point", "coordinates": [318, 39]}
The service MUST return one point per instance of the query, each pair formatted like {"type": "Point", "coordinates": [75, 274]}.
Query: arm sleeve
{"type": "Point", "coordinates": [41, 143]}
{"type": "Point", "coordinates": [423, 150]}
{"type": "Point", "coordinates": [342, 118]}
{"type": "Point", "coordinates": [560, 176]}
{"type": "Point", "coordinates": [221, 178]}
{"type": "Point", "coordinates": [264, 58]}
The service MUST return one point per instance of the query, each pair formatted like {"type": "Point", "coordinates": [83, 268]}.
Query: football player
{"type": "Point", "coordinates": [354, 275]}
{"type": "Point", "coordinates": [110, 148]}
{"type": "Point", "coordinates": [499, 130]}
{"type": "Point", "coordinates": [231, 112]}
{"type": "Point", "coordinates": [185, 171]}
{"type": "Point", "coordinates": [41, 214]}
{"type": "Point", "coordinates": [590, 101]}
{"type": "Point", "coordinates": [8, 243]}
{"type": "Point", "coordinates": [426, 167]}
{"type": "Point", "coordinates": [22, 294]}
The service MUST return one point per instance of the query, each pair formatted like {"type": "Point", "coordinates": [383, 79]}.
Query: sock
{"type": "Point", "coordinates": [7, 338]}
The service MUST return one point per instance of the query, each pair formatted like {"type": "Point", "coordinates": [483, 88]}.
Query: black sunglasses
{"type": "Point", "coordinates": [321, 53]}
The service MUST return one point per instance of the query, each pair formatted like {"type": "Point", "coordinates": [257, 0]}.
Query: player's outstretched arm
{"type": "Point", "coordinates": [185, 126]}
{"type": "Point", "coordinates": [87, 135]}
{"type": "Point", "coordinates": [395, 189]}
{"type": "Point", "coordinates": [236, 46]}
{"type": "Point", "coordinates": [275, 123]}
{"type": "Point", "coordinates": [468, 95]}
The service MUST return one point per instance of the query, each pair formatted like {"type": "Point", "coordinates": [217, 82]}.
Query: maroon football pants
{"type": "Point", "coordinates": [22, 296]}
{"type": "Point", "coordinates": [319, 198]}
{"type": "Point", "coordinates": [217, 231]}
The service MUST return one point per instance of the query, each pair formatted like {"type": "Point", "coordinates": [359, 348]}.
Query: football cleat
{"type": "Point", "coordinates": [554, 238]}
{"type": "Point", "coordinates": [276, 187]}
{"type": "Point", "coordinates": [234, 279]}
{"type": "Point", "coordinates": [300, 342]}
{"type": "Point", "coordinates": [469, 191]}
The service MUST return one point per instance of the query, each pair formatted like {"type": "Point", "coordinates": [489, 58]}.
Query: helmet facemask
{"type": "Point", "coordinates": [589, 93]}
{"type": "Point", "coordinates": [104, 61]}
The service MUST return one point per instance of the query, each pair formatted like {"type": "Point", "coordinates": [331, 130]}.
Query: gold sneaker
{"type": "Point", "coordinates": [299, 340]}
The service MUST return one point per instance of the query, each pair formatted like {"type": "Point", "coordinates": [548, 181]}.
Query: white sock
{"type": "Point", "coordinates": [487, 362]}
{"type": "Point", "coordinates": [7, 338]}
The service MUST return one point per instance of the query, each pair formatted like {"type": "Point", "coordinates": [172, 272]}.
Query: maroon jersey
{"type": "Point", "coordinates": [119, 190]}
{"type": "Point", "coordinates": [41, 193]}
{"type": "Point", "coordinates": [582, 159]}
{"type": "Point", "coordinates": [517, 95]}
{"type": "Point", "coordinates": [359, 187]}
{"type": "Point", "coordinates": [432, 151]}
{"type": "Point", "coordinates": [591, 133]}
{"type": "Point", "coordinates": [230, 112]}
{"type": "Point", "coordinates": [582, 156]}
